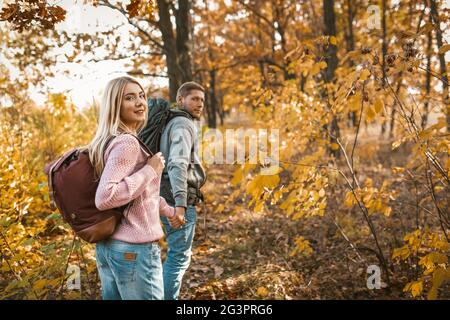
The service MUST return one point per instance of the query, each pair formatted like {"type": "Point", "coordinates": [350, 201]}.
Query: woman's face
{"type": "Point", "coordinates": [134, 107]}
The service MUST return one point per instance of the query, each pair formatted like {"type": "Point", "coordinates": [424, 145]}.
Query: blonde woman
{"type": "Point", "coordinates": [129, 263]}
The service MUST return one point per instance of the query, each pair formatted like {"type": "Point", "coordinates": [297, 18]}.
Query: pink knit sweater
{"type": "Point", "coordinates": [127, 177]}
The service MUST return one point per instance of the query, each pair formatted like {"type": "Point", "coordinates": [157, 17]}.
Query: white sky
{"type": "Point", "coordinates": [87, 79]}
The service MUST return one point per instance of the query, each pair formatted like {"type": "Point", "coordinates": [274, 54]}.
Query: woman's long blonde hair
{"type": "Point", "coordinates": [109, 122]}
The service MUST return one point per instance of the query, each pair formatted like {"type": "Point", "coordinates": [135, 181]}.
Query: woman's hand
{"type": "Point", "coordinates": [178, 219]}
{"type": "Point", "coordinates": [157, 162]}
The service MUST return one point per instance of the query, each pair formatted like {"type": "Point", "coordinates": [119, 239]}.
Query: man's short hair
{"type": "Point", "coordinates": [187, 87]}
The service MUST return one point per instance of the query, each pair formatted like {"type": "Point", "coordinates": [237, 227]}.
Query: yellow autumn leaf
{"type": "Point", "coordinates": [315, 69]}
{"type": "Point", "coordinates": [364, 75]}
{"type": "Point", "coordinates": [334, 146]}
{"type": "Point", "coordinates": [322, 64]}
{"type": "Point", "coordinates": [302, 246]}
{"type": "Point", "coordinates": [38, 285]}
{"type": "Point", "coordinates": [433, 258]}
{"type": "Point", "coordinates": [402, 253]}
{"type": "Point", "coordinates": [333, 40]}
{"type": "Point", "coordinates": [315, 195]}
{"type": "Point", "coordinates": [444, 49]}
{"type": "Point", "coordinates": [349, 199]}
{"type": "Point", "coordinates": [355, 102]}
{"type": "Point", "coordinates": [220, 208]}
{"type": "Point", "coordinates": [440, 276]}
{"type": "Point", "coordinates": [386, 211]}
{"type": "Point", "coordinates": [262, 292]}
{"type": "Point", "coordinates": [378, 106]}
{"type": "Point", "coordinates": [416, 288]}
{"type": "Point", "coordinates": [259, 206]}
{"type": "Point", "coordinates": [370, 113]}
{"type": "Point", "coordinates": [396, 144]}
{"type": "Point", "coordinates": [437, 242]}
{"type": "Point", "coordinates": [237, 177]}
{"type": "Point", "coordinates": [425, 134]}
{"type": "Point", "coordinates": [398, 170]}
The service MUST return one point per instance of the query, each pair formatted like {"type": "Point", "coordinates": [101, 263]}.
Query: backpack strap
{"type": "Point", "coordinates": [144, 146]}
{"type": "Point", "coordinates": [179, 112]}
{"type": "Point", "coordinates": [141, 143]}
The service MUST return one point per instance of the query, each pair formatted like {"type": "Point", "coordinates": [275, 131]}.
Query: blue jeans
{"type": "Point", "coordinates": [179, 253]}
{"type": "Point", "coordinates": [130, 271]}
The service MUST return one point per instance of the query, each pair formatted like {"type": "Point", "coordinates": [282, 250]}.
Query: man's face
{"type": "Point", "coordinates": [193, 103]}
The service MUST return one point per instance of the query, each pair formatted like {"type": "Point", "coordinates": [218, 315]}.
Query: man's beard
{"type": "Point", "coordinates": [193, 115]}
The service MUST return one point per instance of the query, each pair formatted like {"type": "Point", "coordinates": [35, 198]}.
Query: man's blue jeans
{"type": "Point", "coordinates": [179, 253]}
{"type": "Point", "coordinates": [130, 271]}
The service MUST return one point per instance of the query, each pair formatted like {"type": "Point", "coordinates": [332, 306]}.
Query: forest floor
{"type": "Point", "coordinates": [238, 254]}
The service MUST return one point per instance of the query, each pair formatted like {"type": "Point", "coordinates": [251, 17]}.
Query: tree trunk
{"type": "Point", "coordinates": [350, 36]}
{"type": "Point", "coordinates": [279, 14]}
{"type": "Point", "coordinates": [330, 30]}
{"type": "Point", "coordinates": [350, 47]}
{"type": "Point", "coordinates": [427, 82]}
{"type": "Point", "coordinates": [170, 50]}
{"type": "Point", "coordinates": [444, 78]}
{"type": "Point", "coordinates": [383, 61]}
{"type": "Point", "coordinates": [332, 62]}
{"type": "Point", "coordinates": [176, 46]}
{"type": "Point", "coordinates": [221, 111]}
{"type": "Point", "coordinates": [183, 26]}
{"type": "Point", "coordinates": [212, 110]}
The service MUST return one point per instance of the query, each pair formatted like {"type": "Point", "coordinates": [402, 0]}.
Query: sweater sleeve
{"type": "Point", "coordinates": [164, 209]}
{"type": "Point", "coordinates": [118, 184]}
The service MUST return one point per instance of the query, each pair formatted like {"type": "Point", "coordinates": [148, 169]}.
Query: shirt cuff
{"type": "Point", "coordinates": [181, 201]}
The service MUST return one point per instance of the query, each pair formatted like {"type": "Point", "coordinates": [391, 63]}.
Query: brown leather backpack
{"type": "Point", "coordinates": [72, 185]}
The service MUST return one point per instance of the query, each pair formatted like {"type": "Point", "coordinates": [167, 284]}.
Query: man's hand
{"type": "Point", "coordinates": [178, 220]}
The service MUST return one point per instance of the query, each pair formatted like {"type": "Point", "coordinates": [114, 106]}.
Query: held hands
{"type": "Point", "coordinates": [157, 162]}
{"type": "Point", "coordinates": [178, 219]}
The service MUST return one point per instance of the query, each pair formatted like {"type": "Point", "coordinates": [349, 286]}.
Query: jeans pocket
{"type": "Point", "coordinates": [123, 265]}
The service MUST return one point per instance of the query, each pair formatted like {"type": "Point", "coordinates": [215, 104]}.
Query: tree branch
{"type": "Point", "coordinates": [117, 58]}
{"type": "Point", "coordinates": [227, 66]}
{"type": "Point", "coordinates": [107, 4]}
{"type": "Point", "coordinates": [256, 13]}
{"type": "Point", "coordinates": [153, 75]}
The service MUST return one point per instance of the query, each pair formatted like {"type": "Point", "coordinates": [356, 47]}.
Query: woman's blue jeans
{"type": "Point", "coordinates": [130, 271]}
